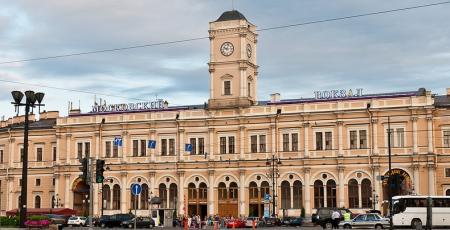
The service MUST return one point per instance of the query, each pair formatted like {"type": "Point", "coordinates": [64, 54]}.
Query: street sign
{"type": "Point", "coordinates": [136, 189]}
{"type": "Point", "coordinates": [266, 196]}
{"type": "Point", "coordinates": [151, 144]}
{"type": "Point", "coordinates": [188, 147]}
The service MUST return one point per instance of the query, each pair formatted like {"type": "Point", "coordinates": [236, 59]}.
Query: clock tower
{"type": "Point", "coordinates": [232, 67]}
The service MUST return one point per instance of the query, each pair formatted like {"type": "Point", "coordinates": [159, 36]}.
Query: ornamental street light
{"type": "Point", "coordinates": [273, 174]}
{"type": "Point", "coordinates": [30, 102]}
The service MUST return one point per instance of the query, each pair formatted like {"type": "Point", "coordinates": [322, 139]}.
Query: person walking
{"type": "Point", "coordinates": [335, 217]}
{"type": "Point", "coordinates": [347, 216]}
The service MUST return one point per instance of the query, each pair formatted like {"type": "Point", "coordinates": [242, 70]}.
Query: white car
{"type": "Point", "coordinates": [77, 220]}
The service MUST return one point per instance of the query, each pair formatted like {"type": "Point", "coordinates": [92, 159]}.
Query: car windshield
{"type": "Point", "coordinates": [360, 218]}
{"type": "Point", "coordinates": [73, 218]}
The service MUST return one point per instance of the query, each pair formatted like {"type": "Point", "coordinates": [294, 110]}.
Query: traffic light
{"type": "Point", "coordinates": [99, 171]}
{"type": "Point", "coordinates": [84, 168]}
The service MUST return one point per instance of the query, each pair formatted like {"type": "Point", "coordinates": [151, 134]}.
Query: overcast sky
{"type": "Point", "coordinates": [400, 51]}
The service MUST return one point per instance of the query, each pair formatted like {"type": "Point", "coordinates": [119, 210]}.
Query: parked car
{"type": "Point", "coordinates": [271, 222]}
{"type": "Point", "coordinates": [236, 223]}
{"type": "Point", "coordinates": [250, 220]}
{"type": "Point", "coordinates": [370, 220]}
{"type": "Point", "coordinates": [322, 216]}
{"type": "Point", "coordinates": [57, 219]}
{"type": "Point", "coordinates": [141, 222]}
{"type": "Point", "coordinates": [76, 221]}
{"type": "Point", "coordinates": [286, 221]}
{"type": "Point", "coordinates": [114, 220]}
{"type": "Point", "coordinates": [297, 221]}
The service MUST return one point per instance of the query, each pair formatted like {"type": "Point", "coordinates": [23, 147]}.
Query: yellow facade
{"type": "Point", "coordinates": [331, 151]}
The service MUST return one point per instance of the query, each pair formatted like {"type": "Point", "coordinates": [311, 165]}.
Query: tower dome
{"type": "Point", "coordinates": [231, 15]}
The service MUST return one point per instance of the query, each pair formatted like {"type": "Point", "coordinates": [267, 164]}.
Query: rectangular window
{"type": "Point", "coordinates": [163, 147]}
{"type": "Point", "coordinates": [135, 148]}
{"type": "Point", "coordinates": [286, 142]}
{"type": "Point", "coordinates": [400, 137]}
{"type": "Point", "coordinates": [39, 154]}
{"type": "Point", "coordinates": [54, 153]}
{"type": "Point", "coordinates": [353, 140]}
{"type": "Point", "coordinates": [80, 150]}
{"type": "Point", "coordinates": [319, 141]}
{"type": "Point", "coordinates": [362, 139]}
{"type": "Point", "coordinates": [447, 172]}
{"type": "Point", "coordinates": [87, 149]}
{"type": "Point", "coordinates": [108, 149]}
{"type": "Point", "coordinates": [294, 137]}
{"type": "Point", "coordinates": [328, 141]}
{"type": "Point", "coordinates": [20, 182]}
{"type": "Point", "coordinates": [143, 148]}
{"type": "Point", "coordinates": [115, 151]}
{"type": "Point", "coordinates": [254, 143]}
{"type": "Point", "coordinates": [192, 142]}
{"type": "Point", "coordinates": [53, 181]}
{"type": "Point", "coordinates": [1, 155]}
{"type": "Point", "coordinates": [447, 138]}
{"type": "Point", "coordinates": [38, 182]}
{"type": "Point", "coordinates": [227, 87]}
{"type": "Point", "coordinates": [172, 147]}
{"type": "Point", "coordinates": [391, 133]}
{"type": "Point", "coordinates": [21, 154]}
{"type": "Point", "coordinates": [223, 145]}
{"type": "Point", "coordinates": [262, 143]}
{"type": "Point", "coordinates": [231, 145]}
{"type": "Point", "coordinates": [201, 146]}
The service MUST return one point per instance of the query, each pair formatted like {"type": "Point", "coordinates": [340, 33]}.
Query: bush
{"type": "Point", "coordinates": [38, 218]}
{"type": "Point", "coordinates": [9, 221]}
{"type": "Point", "coordinates": [302, 214]}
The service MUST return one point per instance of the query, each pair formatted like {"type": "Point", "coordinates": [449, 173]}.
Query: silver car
{"type": "Point", "coordinates": [370, 220]}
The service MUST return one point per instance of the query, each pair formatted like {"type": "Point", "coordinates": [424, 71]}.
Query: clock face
{"type": "Point", "coordinates": [249, 51]}
{"type": "Point", "coordinates": [227, 48]}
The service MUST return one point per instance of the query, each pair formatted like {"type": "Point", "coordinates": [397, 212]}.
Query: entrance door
{"type": "Point", "coordinates": [228, 200]}
{"type": "Point", "coordinates": [81, 197]}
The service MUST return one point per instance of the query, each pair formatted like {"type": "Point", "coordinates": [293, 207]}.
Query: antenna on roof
{"type": "Point", "coordinates": [232, 4]}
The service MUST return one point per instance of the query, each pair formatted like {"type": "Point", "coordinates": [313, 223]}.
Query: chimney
{"type": "Point", "coordinates": [274, 97]}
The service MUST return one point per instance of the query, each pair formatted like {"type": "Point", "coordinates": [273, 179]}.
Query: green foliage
{"type": "Point", "coordinates": [38, 218]}
{"type": "Point", "coordinates": [9, 221]}
{"type": "Point", "coordinates": [302, 214]}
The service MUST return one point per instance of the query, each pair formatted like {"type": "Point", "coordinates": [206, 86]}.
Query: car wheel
{"type": "Point", "coordinates": [328, 225]}
{"type": "Point", "coordinates": [103, 225]}
{"type": "Point", "coordinates": [378, 226]}
{"type": "Point", "coordinates": [130, 226]}
{"type": "Point", "coordinates": [416, 224]}
{"type": "Point", "coordinates": [347, 226]}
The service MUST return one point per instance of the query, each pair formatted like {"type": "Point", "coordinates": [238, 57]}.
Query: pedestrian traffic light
{"type": "Point", "coordinates": [84, 168]}
{"type": "Point", "coordinates": [99, 169]}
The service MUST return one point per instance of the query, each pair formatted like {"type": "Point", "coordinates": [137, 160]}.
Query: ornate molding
{"type": "Point", "coordinates": [242, 172]}
{"type": "Point", "coordinates": [306, 124]}
{"type": "Point", "coordinates": [211, 172]}
{"type": "Point", "coordinates": [180, 173]}
{"type": "Point", "coordinates": [340, 168]}
{"type": "Point", "coordinates": [339, 123]}
{"type": "Point", "coordinates": [307, 170]}
{"type": "Point", "coordinates": [151, 174]}
{"type": "Point", "coordinates": [414, 118]}
{"type": "Point", "coordinates": [123, 174]}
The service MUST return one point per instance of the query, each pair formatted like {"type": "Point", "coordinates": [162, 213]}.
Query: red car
{"type": "Point", "coordinates": [236, 223]}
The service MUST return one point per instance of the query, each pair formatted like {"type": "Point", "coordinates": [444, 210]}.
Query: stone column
{"type": "Point", "coordinates": [66, 196]}
{"type": "Point", "coordinates": [211, 192]}
{"type": "Point", "coordinates": [97, 145]}
{"type": "Point", "coordinates": [416, 176]}
{"type": "Point", "coordinates": [211, 143]}
{"type": "Point", "coordinates": [431, 179]}
{"type": "Point", "coordinates": [95, 199]}
{"type": "Point", "coordinates": [123, 195]}
{"type": "Point", "coordinates": [292, 195]}
{"type": "Point", "coordinates": [153, 151]}
{"type": "Point", "coordinates": [307, 172]}
{"type": "Point", "coordinates": [306, 128]}
{"type": "Point", "coordinates": [181, 143]}
{"type": "Point", "coordinates": [56, 176]}
{"type": "Point", "coordinates": [415, 142]}
{"type": "Point", "coordinates": [359, 195]}
{"type": "Point", "coordinates": [375, 136]}
{"type": "Point", "coordinates": [430, 134]}
{"type": "Point", "coordinates": [274, 144]}
{"type": "Point", "coordinates": [58, 152]}
{"type": "Point", "coordinates": [341, 186]}
{"type": "Point", "coordinates": [377, 184]}
{"type": "Point", "coordinates": [325, 196]}
{"type": "Point", "coordinates": [68, 151]}
{"type": "Point", "coordinates": [340, 138]}
{"type": "Point", "coordinates": [153, 188]}
{"type": "Point", "coordinates": [10, 199]}
{"type": "Point", "coordinates": [242, 192]}
{"type": "Point", "coordinates": [181, 206]}
{"type": "Point", "coordinates": [124, 148]}
{"type": "Point", "coordinates": [241, 141]}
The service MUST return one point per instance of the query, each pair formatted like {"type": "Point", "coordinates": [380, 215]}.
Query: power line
{"type": "Point", "coordinates": [205, 37]}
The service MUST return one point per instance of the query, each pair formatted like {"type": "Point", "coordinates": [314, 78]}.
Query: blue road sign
{"type": "Point", "coordinates": [266, 196]}
{"type": "Point", "coordinates": [136, 189]}
{"type": "Point", "coordinates": [151, 144]}
{"type": "Point", "coordinates": [188, 148]}
{"type": "Point", "coordinates": [118, 141]}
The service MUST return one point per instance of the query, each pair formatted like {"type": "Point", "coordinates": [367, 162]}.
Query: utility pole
{"type": "Point", "coordinates": [91, 190]}
{"type": "Point", "coordinates": [389, 173]}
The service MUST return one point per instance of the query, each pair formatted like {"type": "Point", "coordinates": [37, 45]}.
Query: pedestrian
{"type": "Point", "coordinates": [347, 216]}
{"type": "Point", "coordinates": [335, 217]}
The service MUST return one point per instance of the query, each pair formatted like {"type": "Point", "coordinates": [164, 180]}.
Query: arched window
{"type": "Point", "coordinates": [163, 195]}
{"type": "Point", "coordinates": [53, 204]}
{"type": "Point", "coordinates": [447, 193]}
{"type": "Point", "coordinates": [233, 191]}
{"type": "Point", "coordinates": [222, 191]}
{"type": "Point", "coordinates": [249, 89]}
{"type": "Point", "coordinates": [133, 201]}
{"type": "Point", "coordinates": [106, 194]}
{"type": "Point", "coordinates": [144, 197]}
{"type": "Point", "coordinates": [192, 191]}
{"type": "Point", "coordinates": [173, 192]}
{"type": "Point", "coordinates": [285, 195]}
{"type": "Point", "coordinates": [353, 196]}
{"type": "Point", "coordinates": [331, 193]}
{"type": "Point", "coordinates": [366, 193]}
{"type": "Point", "coordinates": [265, 189]}
{"type": "Point", "coordinates": [318, 194]}
{"type": "Point", "coordinates": [298, 195]}
{"type": "Point", "coordinates": [37, 202]}
{"type": "Point", "coordinates": [203, 192]}
{"type": "Point", "coordinates": [253, 190]}
{"type": "Point", "coordinates": [116, 197]}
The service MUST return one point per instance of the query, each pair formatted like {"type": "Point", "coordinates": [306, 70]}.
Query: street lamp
{"type": "Point", "coordinates": [30, 101]}
{"type": "Point", "coordinates": [274, 174]}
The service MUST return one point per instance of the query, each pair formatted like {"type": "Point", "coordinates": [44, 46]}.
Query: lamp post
{"type": "Point", "coordinates": [30, 101]}
{"type": "Point", "coordinates": [273, 173]}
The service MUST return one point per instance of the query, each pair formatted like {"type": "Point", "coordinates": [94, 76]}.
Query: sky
{"type": "Point", "coordinates": [399, 51]}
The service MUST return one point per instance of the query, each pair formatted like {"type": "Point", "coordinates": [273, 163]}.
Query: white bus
{"type": "Point", "coordinates": [412, 211]}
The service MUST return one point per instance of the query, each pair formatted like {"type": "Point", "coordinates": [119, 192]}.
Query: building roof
{"type": "Point", "coordinates": [40, 124]}
{"type": "Point", "coordinates": [442, 101]}
{"type": "Point", "coordinates": [231, 15]}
